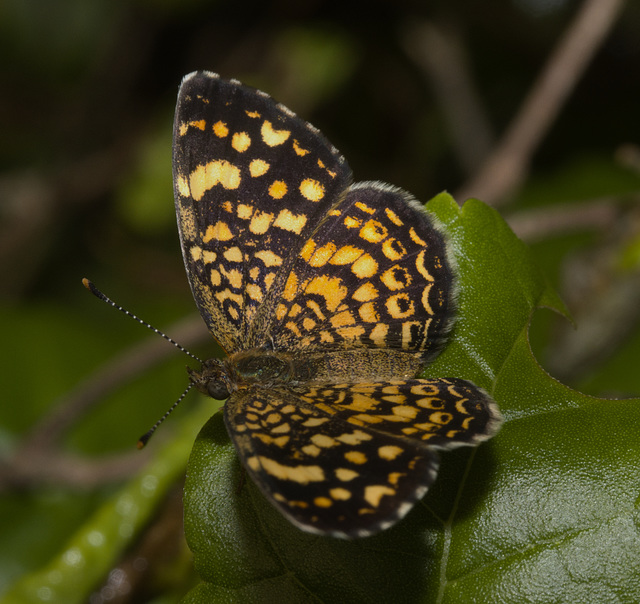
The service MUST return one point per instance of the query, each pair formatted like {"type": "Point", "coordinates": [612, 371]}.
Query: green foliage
{"type": "Point", "coordinates": [545, 512]}
{"type": "Point", "coordinates": [94, 548]}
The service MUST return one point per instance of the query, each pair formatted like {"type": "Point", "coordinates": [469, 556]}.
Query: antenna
{"type": "Point", "coordinates": [144, 439]}
{"type": "Point", "coordinates": [98, 294]}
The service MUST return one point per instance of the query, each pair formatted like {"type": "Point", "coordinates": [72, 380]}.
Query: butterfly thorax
{"type": "Point", "coordinates": [219, 378]}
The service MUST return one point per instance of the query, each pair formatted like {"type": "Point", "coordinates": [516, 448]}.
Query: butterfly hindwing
{"type": "Point", "coordinates": [441, 413]}
{"type": "Point", "coordinates": [351, 459]}
{"type": "Point", "coordinates": [326, 475]}
{"type": "Point", "coordinates": [374, 274]}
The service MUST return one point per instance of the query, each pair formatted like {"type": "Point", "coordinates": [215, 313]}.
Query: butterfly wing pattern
{"type": "Point", "coordinates": [328, 298]}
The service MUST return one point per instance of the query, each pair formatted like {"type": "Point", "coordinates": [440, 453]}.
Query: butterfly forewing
{"type": "Point", "coordinates": [251, 180]}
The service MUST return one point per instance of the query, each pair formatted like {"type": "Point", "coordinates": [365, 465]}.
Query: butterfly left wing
{"type": "Point", "coordinates": [251, 181]}
{"type": "Point", "coordinates": [350, 460]}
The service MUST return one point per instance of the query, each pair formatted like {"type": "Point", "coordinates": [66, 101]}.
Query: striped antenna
{"type": "Point", "coordinates": [98, 294]}
{"type": "Point", "coordinates": [144, 439]}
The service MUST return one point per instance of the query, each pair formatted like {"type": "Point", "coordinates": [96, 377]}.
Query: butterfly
{"type": "Point", "coordinates": [328, 299]}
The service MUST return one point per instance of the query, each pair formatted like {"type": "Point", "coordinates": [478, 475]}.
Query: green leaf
{"type": "Point", "coordinates": [545, 512]}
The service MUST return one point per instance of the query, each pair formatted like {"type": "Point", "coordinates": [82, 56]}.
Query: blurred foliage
{"type": "Point", "coordinates": [88, 90]}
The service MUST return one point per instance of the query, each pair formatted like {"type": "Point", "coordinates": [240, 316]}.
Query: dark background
{"type": "Point", "coordinates": [89, 90]}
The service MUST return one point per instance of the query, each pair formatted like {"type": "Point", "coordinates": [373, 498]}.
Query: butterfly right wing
{"type": "Point", "coordinates": [376, 273]}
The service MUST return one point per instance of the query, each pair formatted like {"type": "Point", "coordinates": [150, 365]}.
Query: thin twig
{"type": "Point", "coordinates": [542, 223]}
{"type": "Point", "coordinates": [507, 166]}
{"type": "Point", "coordinates": [59, 469]}
{"type": "Point", "coordinates": [438, 51]}
{"type": "Point", "coordinates": [116, 372]}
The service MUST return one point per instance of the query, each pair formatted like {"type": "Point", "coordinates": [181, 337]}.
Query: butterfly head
{"type": "Point", "coordinates": [212, 379]}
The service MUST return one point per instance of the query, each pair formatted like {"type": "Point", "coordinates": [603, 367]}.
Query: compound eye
{"type": "Point", "coordinates": [218, 390]}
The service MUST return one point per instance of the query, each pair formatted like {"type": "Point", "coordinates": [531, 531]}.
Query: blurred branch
{"type": "Point", "coordinates": [440, 53]}
{"type": "Point", "coordinates": [546, 222]}
{"type": "Point", "coordinates": [607, 317]}
{"type": "Point", "coordinates": [507, 166]}
{"type": "Point", "coordinates": [601, 284]}
{"type": "Point", "coordinates": [34, 468]}
{"type": "Point", "coordinates": [140, 572]}
{"type": "Point", "coordinates": [628, 155]}
{"type": "Point", "coordinates": [38, 460]}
